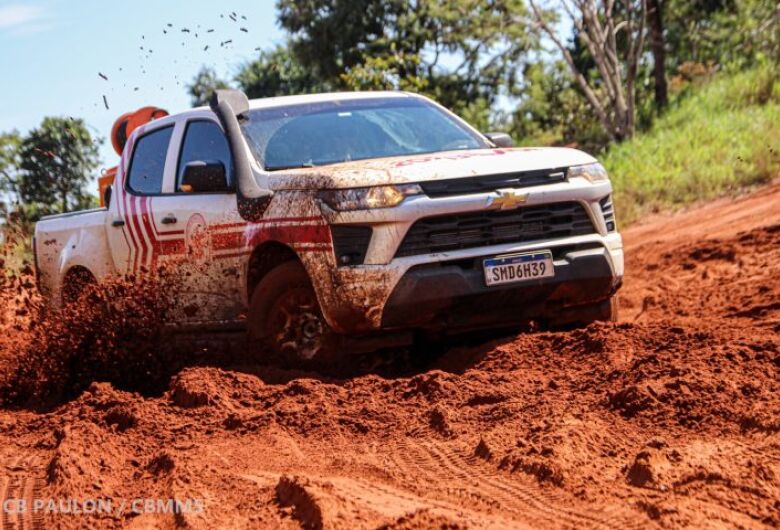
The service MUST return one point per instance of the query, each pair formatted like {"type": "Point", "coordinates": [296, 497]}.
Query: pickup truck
{"type": "Point", "coordinates": [316, 219]}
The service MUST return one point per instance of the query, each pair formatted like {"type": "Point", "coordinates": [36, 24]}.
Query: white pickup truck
{"type": "Point", "coordinates": [318, 218]}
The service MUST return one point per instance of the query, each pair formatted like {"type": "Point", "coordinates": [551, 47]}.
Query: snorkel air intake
{"type": "Point", "coordinates": [251, 199]}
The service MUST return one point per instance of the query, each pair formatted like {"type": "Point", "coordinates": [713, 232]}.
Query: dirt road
{"type": "Point", "coordinates": [670, 418]}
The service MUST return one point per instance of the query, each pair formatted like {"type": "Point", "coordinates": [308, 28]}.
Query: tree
{"type": "Point", "coordinates": [614, 36]}
{"type": "Point", "coordinates": [657, 45]}
{"type": "Point", "coordinates": [552, 110]}
{"type": "Point", "coordinates": [56, 162]}
{"type": "Point", "coordinates": [330, 36]}
{"type": "Point", "coordinates": [386, 72]}
{"type": "Point", "coordinates": [9, 162]}
{"type": "Point", "coordinates": [9, 156]}
{"type": "Point", "coordinates": [205, 83]}
{"type": "Point", "coordinates": [278, 73]}
{"type": "Point", "coordinates": [461, 52]}
{"type": "Point", "coordinates": [736, 33]}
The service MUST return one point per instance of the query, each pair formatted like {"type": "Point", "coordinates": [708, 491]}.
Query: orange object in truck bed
{"type": "Point", "coordinates": [120, 132]}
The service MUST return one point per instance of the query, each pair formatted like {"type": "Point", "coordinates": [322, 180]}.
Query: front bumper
{"type": "Point", "coordinates": [454, 296]}
{"type": "Point", "coordinates": [446, 289]}
{"type": "Point", "coordinates": [419, 291]}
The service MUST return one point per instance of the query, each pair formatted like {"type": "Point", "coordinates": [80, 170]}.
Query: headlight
{"type": "Point", "coordinates": [369, 198]}
{"type": "Point", "coordinates": [592, 172]}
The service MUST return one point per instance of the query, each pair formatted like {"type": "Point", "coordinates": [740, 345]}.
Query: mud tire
{"type": "Point", "coordinates": [286, 321]}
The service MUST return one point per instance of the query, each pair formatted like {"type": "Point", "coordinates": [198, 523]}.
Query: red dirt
{"type": "Point", "coordinates": [670, 418]}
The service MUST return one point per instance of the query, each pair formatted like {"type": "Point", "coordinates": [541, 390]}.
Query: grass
{"type": "Point", "coordinates": [715, 139]}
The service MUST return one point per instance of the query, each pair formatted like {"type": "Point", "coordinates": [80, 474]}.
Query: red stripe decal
{"type": "Point", "coordinates": [124, 163]}
{"type": "Point", "coordinates": [134, 214]}
{"type": "Point", "coordinates": [227, 241]}
{"type": "Point", "coordinates": [261, 222]}
{"type": "Point", "coordinates": [290, 234]}
{"type": "Point", "coordinates": [170, 247]}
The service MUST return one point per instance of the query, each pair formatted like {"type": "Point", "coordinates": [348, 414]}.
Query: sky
{"type": "Point", "coordinates": [52, 53]}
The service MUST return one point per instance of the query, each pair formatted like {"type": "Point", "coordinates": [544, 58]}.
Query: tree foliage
{"type": "Point", "coordinates": [205, 83]}
{"type": "Point", "coordinates": [462, 52]}
{"type": "Point", "coordinates": [56, 164]}
{"type": "Point", "coordinates": [490, 60]}
{"type": "Point", "coordinates": [614, 35]}
{"type": "Point", "coordinates": [552, 110]}
{"type": "Point", "coordinates": [9, 162]}
{"type": "Point", "coordinates": [277, 72]}
{"type": "Point", "coordinates": [735, 33]}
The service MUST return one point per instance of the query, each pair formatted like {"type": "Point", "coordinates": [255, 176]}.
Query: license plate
{"type": "Point", "coordinates": [518, 268]}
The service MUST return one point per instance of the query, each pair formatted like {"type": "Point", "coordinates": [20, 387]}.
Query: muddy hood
{"type": "Point", "coordinates": [420, 168]}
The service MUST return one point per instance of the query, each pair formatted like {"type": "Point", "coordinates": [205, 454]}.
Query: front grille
{"type": "Point", "coordinates": [350, 243]}
{"type": "Point", "coordinates": [608, 209]}
{"type": "Point", "coordinates": [481, 229]}
{"type": "Point", "coordinates": [488, 183]}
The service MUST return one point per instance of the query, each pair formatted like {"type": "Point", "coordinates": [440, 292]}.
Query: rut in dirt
{"type": "Point", "coordinates": [22, 479]}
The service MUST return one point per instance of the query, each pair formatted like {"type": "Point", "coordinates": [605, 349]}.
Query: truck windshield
{"type": "Point", "coordinates": [316, 134]}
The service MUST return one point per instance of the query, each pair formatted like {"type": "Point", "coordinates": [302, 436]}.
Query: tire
{"type": "Point", "coordinates": [285, 319]}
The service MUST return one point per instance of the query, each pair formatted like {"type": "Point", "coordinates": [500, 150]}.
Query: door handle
{"type": "Point", "coordinates": [118, 222]}
{"type": "Point", "coordinates": [169, 220]}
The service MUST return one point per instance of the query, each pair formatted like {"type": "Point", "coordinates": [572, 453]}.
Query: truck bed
{"type": "Point", "coordinates": [68, 240]}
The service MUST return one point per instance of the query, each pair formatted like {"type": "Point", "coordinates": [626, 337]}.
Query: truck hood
{"type": "Point", "coordinates": [427, 167]}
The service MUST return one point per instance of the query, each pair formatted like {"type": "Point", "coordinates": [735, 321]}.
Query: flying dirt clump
{"type": "Point", "coordinates": [111, 332]}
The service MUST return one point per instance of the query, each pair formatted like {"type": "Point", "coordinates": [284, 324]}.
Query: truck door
{"type": "Point", "coordinates": [201, 231]}
{"type": "Point", "coordinates": [139, 178]}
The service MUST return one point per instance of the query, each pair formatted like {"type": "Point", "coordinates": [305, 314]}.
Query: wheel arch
{"type": "Point", "coordinates": [264, 258]}
{"type": "Point", "coordinates": [74, 281]}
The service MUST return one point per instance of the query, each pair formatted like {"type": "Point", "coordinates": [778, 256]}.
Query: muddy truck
{"type": "Point", "coordinates": [325, 222]}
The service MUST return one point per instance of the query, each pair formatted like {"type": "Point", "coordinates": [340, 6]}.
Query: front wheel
{"type": "Point", "coordinates": [285, 318]}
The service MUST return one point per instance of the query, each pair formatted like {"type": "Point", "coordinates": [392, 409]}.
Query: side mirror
{"type": "Point", "coordinates": [500, 139]}
{"type": "Point", "coordinates": [203, 176]}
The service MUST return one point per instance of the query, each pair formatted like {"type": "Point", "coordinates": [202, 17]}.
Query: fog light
{"type": "Point", "coordinates": [345, 259]}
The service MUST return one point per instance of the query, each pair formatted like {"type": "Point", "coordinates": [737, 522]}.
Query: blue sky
{"type": "Point", "coordinates": [52, 51]}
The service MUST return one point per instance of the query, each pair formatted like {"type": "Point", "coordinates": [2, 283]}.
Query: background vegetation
{"type": "Point", "coordinates": [721, 134]}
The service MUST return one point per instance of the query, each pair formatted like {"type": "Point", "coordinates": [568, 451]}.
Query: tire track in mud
{"type": "Point", "coordinates": [421, 464]}
{"type": "Point", "coordinates": [420, 470]}
{"type": "Point", "coordinates": [395, 503]}
{"type": "Point", "coordinates": [474, 486]}
{"type": "Point", "coordinates": [348, 499]}
{"type": "Point", "coordinates": [20, 484]}
{"type": "Point", "coordinates": [528, 504]}
{"type": "Point", "coordinates": [348, 502]}
{"type": "Point", "coordinates": [611, 516]}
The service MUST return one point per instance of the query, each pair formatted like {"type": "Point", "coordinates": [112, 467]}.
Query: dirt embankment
{"type": "Point", "coordinates": [670, 418]}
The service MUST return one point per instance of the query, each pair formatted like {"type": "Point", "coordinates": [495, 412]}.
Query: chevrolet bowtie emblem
{"type": "Point", "coordinates": [508, 199]}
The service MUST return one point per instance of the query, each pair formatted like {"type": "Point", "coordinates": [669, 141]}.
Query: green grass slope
{"type": "Point", "coordinates": [722, 136]}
